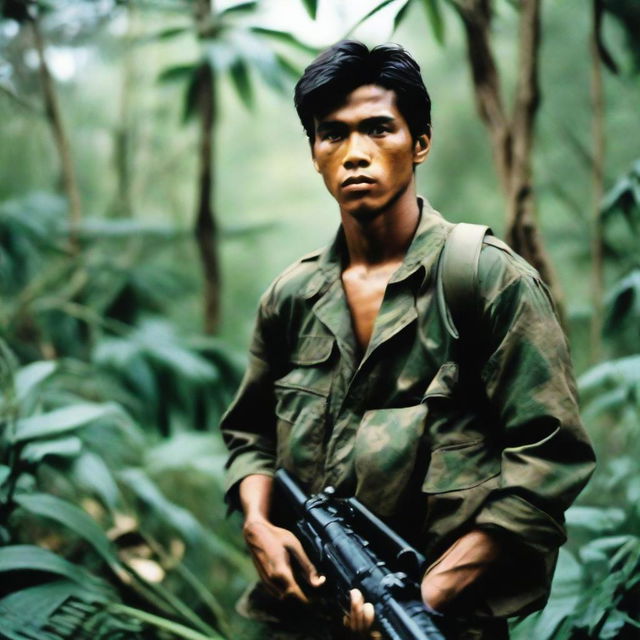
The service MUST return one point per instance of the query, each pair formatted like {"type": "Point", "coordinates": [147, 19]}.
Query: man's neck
{"type": "Point", "coordinates": [384, 237]}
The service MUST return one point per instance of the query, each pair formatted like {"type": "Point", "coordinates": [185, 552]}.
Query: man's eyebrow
{"type": "Point", "coordinates": [328, 125]}
{"type": "Point", "coordinates": [377, 120]}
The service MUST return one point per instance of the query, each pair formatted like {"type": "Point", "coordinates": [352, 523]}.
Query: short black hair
{"type": "Point", "coordinates": [349, 64]}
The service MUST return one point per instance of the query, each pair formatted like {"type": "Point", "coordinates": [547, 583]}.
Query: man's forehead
{"type": "Point", "coordinates": [365, 101]}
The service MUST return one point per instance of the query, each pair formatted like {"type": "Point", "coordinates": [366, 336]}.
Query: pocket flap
{"type": "Point", "coordinates": [312, 349]}
{"type": "Point", "coordinates": [443, 382]}
{"type": "Point", "coordinates": [460, 466]}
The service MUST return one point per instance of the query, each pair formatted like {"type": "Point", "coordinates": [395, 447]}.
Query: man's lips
{"type": "Point", "coordinates": [357, 182]}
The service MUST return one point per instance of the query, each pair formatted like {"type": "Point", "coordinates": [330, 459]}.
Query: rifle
{"type": "Point", "coordinates": [385, 568]}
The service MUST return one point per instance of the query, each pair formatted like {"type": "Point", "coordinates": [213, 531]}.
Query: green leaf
{"type": "Point", "coordinates": [400, 15]}
{"type": "Point", "coordinates": [33, 606]}
{"type": "Point", "coordinates": [288, 67]}
{"type": "Point", "coordinates": [5, 472]}
{"type": "Point", "coordinates": [28, 378]}
{"type": "Point", "coordinates": [34, 452]}
{"type": "Point", "coordinates": [257, 55]}
{"type": "Point", "coordinates": [190, 105]}
{"type": "Point", "coordinates": [92, 474]}
{"type": "Point", "coordinates": [372, 12]}
{"type": "Point", "coordinates": [312, 7]}
{"type": "Point", "coordinates": [180, 73]}
{"type": "Point", "coordinates": [603, 548]}
{"type": "Point", "coordinates": [623, 303]}
{"type": "Point", "coordinates": [595, 519]}
{"type": "Point", "coordinates": [242, 82]}
{"type": "Point", "coordinates": [242, 7]}
{"type": "Point", "coordinates": [182, 520]}
{"type": "Point", "coordinates": [74, 518]}
{"type": "Point", "coordinates": [565, 596]}
{"type": "Point", "coordinates": [286, 37]}
{"type": "Point", "coordinates": [54, 423]}
{"type": "Point", "coordinates": [166, 34]}
{"type": "Point", "coordinates": [623, 371]}
{"type": "Point", "coordinates": [432, 7]}
{"type": "Point", "coordinates": [172, 627]}
{"type": "Point", "coordinates": [26, 557]}
{"type": "Point", "coordinates": [220, 54]}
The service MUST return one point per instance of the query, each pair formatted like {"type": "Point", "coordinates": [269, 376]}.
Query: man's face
{"type": "Point", "coordinates": [365, 152]}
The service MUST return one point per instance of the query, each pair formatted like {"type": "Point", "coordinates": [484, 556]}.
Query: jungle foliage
{"type": "Point", "coordinates": [112, 522]}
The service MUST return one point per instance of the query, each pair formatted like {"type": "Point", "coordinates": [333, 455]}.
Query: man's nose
{"type": "Point", "coordinates": [357, 152]}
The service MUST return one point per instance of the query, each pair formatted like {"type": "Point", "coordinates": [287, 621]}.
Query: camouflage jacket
{"type": "Point", "coordinates": [434, 440]}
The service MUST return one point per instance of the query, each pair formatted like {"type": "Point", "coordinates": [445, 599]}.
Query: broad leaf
{"type": "Point", "coordinates": [565, 596]}
{"type": "Point", "coordinates": [312, 7]}
{"type": "Point", "coordinates": [432, 7]}
{"type": "Point", "coordinates": [178, 73]}
{"type": "Point", "coordinates": [165, 34]}
{"type": "Point", "coordinates": [34, 605]}
{"type": "Point", "coordinates": [74, 518]}
{"type": "Point", "coordinates": [92, 474]}
{"type": "Point", "coordinates": [372, 12]}
{"type": "Point", "coordinates": [182, 520]}
{"type": "Point", "coordinates": [34, 452]}
{"type": "Point", "coordinates": [239, 74]}
{"type": "Point", "coordinates": [595, 519]}
{"type": "Point", "coordinates": [286, 37]}
{"type": "Point", "coordinates": [28, 378]}
{"type": "Point", "coordinates": [242, 7]}
{"type": "Point", "coordinates": [623, 303]}
{"type": "Point", "coordinates": [55, 423]}
{"type": "Point", "coordinates": [400, 16]}
{"type": "Point", "coordinates": [26, 557]}
{"type": "Point", "coordinates": [176, 630]}
{"type": "Point", "coordinates": [623, 371]}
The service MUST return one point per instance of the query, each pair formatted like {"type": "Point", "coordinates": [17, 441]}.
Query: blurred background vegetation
{"type": "Point", "coordinates": [154, 179]}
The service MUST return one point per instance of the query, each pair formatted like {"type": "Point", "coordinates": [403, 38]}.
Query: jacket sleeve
{"type": "Point", "coordinates": [546, 455]}
{"type": "Point", "coordinates": [248, 425]}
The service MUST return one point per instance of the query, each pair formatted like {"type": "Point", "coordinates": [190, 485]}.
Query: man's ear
{"type": "Point", "coordinates": [421, 148]}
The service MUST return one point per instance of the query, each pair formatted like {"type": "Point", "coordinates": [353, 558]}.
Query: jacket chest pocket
{"type": "Point", "coordinates": [387, 447]}
{"type": "Point", "coordinates": [462, 454]}
{"type": "Point", "coordinates": [301, 405]}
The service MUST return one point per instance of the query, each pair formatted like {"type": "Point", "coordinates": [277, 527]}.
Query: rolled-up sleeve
{"type": "Point", "coordinates": [248, 426]}
{"type": "Point", "coordinates": [546, 455]}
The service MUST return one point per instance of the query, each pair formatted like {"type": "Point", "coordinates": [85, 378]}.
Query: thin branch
{"type": "Point", "coordinates": [19, 100]}
{"type": "Point", "coordinates": [476, 18]}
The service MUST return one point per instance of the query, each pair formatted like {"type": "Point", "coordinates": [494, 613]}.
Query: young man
{"type": "Point", "coordinates": [471, 448]}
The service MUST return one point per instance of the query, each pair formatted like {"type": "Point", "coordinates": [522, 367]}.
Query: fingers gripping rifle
{"type": "Point", "coordinates": [385, 568]}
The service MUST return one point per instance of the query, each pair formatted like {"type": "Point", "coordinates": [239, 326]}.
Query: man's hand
{"type": "Point", "coordinates": [272, 549]}
{"type": "Point", "coordinates": [360, 618]}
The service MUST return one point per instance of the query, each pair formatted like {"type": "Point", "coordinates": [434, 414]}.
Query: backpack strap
{"type": "Point", "coordinates": [458, 275]}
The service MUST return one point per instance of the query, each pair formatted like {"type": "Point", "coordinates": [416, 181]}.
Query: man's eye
{"type": "Point", "coordinates": [378, 130]}
{"type": "Point", "coordinates": [332, 136]}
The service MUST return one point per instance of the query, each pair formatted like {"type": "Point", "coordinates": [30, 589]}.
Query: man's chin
{"type": "Point", "coordinates": [363, 209]}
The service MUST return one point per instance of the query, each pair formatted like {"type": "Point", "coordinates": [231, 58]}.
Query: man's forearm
{"type": "Point", "coordinates": [459, 566]}
{"type": "Point", "coordinates": [255, 496]}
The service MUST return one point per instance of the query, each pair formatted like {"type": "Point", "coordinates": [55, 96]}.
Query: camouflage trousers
{"type": "Point", "coordinates": [272, 619]}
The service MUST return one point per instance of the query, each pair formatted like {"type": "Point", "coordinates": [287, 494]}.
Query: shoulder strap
{"type": "Point", "coordinates": [458, 281]}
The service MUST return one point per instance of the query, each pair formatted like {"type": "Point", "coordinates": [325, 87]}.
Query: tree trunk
{"type": "Point", "coordinates": [206, 232]}
{"type": "Point", "coordinates": [205, 228]}
{"type": "Point", "coordinates": [597, 172]}
{"type": "Point", "coordinates": [54, 117]}
{"type": "Point", "coordinates": [122, 147]}
{"type": "Point", "coordinates": [511, 137]}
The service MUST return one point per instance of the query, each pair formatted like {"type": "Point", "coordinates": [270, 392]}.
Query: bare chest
{"type": "Point", "coordinates": [364, 290]}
